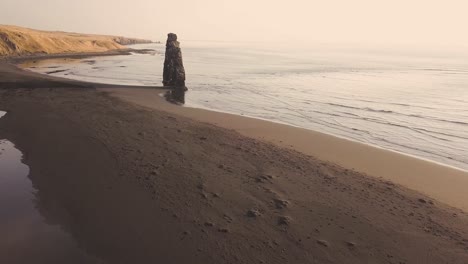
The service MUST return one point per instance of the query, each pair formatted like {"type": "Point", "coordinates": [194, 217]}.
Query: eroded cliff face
{"type": "Point", "coordinates": [6, 44]}
{"type": "Point", "coordinates": [17, 41]}
{"type": "Point", "coordinates": [131, 41]}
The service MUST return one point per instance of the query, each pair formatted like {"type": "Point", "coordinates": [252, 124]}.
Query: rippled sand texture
{"type": "Point", "coordinates": [414, 104]}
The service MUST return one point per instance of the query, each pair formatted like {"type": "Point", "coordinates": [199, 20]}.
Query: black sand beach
{"type": "Point", "coordinates": [133, 184]}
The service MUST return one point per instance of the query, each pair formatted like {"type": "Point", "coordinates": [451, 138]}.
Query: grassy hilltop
{"type": "Point", "coordinates": [16, 41]}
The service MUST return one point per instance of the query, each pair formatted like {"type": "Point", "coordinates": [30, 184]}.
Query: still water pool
{"type": "Point", "coordinates": [26, 237]}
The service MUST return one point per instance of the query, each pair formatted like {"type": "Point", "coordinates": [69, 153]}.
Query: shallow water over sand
{"type": "Point", "coordinates": [25, 235]}
{"type": "Point", "coordinates": [411, 101]}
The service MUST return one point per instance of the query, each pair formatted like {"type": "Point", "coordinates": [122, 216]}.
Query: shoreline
{"type": "Point", "coordinates": [441, 156]}
{"type": "Point", "coordinates": [16, 60]}
{"type": "Point", "coordinates": [22, 60]}
{"type": "Point", "coordinates": [418, 174]}
{"type": "Point", "coordinates": [13, 76]}
{"type": "Point", "coordinates": [336, 136]}
{"type": "Point", "coordinates": [411, 171]}
{"type": "Point", "coordinates": [172, 184]}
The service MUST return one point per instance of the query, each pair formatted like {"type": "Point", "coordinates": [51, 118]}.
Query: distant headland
{"type": "Point", "coordinates": [19, 41]}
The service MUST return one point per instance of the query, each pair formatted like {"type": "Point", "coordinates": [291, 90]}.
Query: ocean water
{"type": "Point", "coordinates": [406, 100]}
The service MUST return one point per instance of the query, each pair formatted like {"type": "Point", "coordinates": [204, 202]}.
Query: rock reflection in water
{"type": "Point", "coordinates": [176, 95]}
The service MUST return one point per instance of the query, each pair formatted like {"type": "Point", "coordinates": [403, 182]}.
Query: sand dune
{"type": "Point", "coordinates": [16, 41]}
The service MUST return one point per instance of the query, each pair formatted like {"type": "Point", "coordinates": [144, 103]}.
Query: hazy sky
{"type": "Point", "coordinates": [439, 22]}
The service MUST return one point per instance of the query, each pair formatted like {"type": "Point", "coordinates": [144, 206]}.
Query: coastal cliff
{"type": "Point", "coordinates": [18, 41]}
{"type": "Point", "coordinates": [130, 41]}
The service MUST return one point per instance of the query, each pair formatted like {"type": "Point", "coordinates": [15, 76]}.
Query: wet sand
{"type": "Point", "coordinates": [145, 184]}
{"type": "Point", "coordinates": [443, 183]}
{"type": "Point", "coordinates": [25, 234]}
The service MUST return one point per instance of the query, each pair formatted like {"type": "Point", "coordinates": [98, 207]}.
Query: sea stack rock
{"type": "Point", "coordinates": [174, 72]}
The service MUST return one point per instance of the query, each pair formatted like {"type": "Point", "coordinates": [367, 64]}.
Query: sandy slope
{"type": "Point", "coordinates": [139, 185]}
{"type": "Point", "coordinates": [443, 183]}
{"type": "Point", "coordinates": [23, 41]}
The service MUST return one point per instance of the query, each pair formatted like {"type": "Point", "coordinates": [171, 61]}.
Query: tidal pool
{"type": "Point", "coordinates": [25, 236]}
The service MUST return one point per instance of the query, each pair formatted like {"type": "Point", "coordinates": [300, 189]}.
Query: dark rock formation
{"type": "Point", "coordinates": [178, 94]}
{"type": "Point", "coordinates": [174, 72]}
